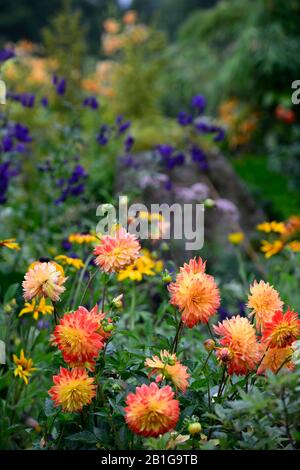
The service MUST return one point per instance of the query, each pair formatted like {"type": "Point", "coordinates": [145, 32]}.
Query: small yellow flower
{"type": "Point", "coordinates": [10, 243]}
{"type": "Point", "coordinates": [143, 266]}
{"type": "Point", "coordinates": [76, 263]}
{"type": "Point", "coordinates": [24, 367]}
{"type": "Point", "coordinates": [271, 248]}
{"type": "Point", "coordinates": [268, 227]}
{"type": "Point", "coordinates": [81, 238]}
{"type": "Point", "coordinates": [37, 308]}
{"type": "Point", "coordinates": [236, 238]}
{"type": "Point", "coordinates": [295, 246]}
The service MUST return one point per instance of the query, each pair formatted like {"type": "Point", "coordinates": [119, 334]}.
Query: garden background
{"type": "Point", "coordinates": [163, 101]}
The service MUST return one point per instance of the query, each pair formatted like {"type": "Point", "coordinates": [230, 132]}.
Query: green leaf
{"type": "Point", "coordinates": [84, 436]}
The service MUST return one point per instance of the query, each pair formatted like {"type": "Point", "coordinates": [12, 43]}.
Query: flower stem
{"type": "Point", "coordinates": [177, 337]}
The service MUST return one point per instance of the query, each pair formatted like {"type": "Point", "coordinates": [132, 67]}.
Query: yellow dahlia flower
{"type": "Point", "coordinates": [72, 389]}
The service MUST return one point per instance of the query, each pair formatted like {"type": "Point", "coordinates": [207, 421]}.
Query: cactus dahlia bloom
{"type": "Point", "coordinates": [282, 330]}
{"type": "Point", "coordinates": [77, 338]}
{"type": "Point", "coordinates": [116, 251]}
{"type": "Point", "coordinates": [168, 367]}
{"type": "Point", "coordinates": [100, 318]}
{"type": "Point", "coordinates": [195, 293]}
{"type": "Point", "coordinates": [264, 301]}
{"type": "Point", "coordinates": [72, 389]}
{"type": "Point", "coordinates": [151, 411]}
{"type": "Point", "coordinates": [44, 279]}
{"type": "Point", "coordinates": [239, 340]}
{"type": "Point", "coordinates": [276, 358]}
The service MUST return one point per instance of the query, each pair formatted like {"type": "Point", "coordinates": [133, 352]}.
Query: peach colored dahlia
{"type": "Point", "coordinates": [240, 346]}
{"type": "Point", "coordinates": [116, 251]}
{"type": "Point", "coordinates": [195, 293]}
{"type": "Point", "coordinates": [151, 411]}
{"type": "Point", "coordinates": [264, 301]}
{"type": "Point", "coordinates": [168, 367]}
{"type": "Point", "coordinates": [44, 279]}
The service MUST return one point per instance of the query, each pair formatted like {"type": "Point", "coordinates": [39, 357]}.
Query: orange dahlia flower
{"type": "Point", "coordinates": [195, 293]}
{"type": "Point", "coordinates": [44, 279]}
{"type": "Point", "coordinates": [117, 251]}
{"type": "Point", "coordinates": [240, 342]}
{"type": "Point", "coordinates": [264, 301]}
{"type": "Point", "coordinates": [77, 338]}
{"type": "Point", "coordinates": [276, 358]}
{"type": "Point", "coordinates": [168, 367]}
{"type": "Point", "coordinates": [104, 324]}
{"type": "Point", "coordinates": [72, 389]}
{"type": "Point", "coordinates": [282, 330]}
{"type": "Point", "coordinates": [151, 411]}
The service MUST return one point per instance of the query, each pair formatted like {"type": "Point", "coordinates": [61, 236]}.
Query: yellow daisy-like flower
{"type": "Point", "coordinates": [236, 238]}
{"type": "Point", "coordinates": [10, 243]}
{"type": "Point", "coordinates": [36, 308]}
{"type": "Point", "coordinates": [24, 367]}
{"type": "Point", "coordinates": [72, 389]}
{"type": "Point", "coordinates": [271, 248]}
{"type": "Point", "coordinates": [81, 238]}
{"type": "Point", "coordinates": [264, 301]}
{"type": "Point", "coordinates": [168, 367]}
{"type": "Point", "coordinates": [268, 227]}
{"type": "Point", "coordinates": [145, 265]}
{"type": "Point", "coordinates": [76, 263]}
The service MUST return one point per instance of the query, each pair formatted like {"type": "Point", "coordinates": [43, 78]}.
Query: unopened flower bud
{"type": "Point", "coordinates": [224, 354]}
{"type": "Point", "coordinates": [108, 328]}
{"type": "Point", "coordinates": [194, 428]}
{"type": "Point", "coordinates": [209, 345]}
{"type": "Point", "coordinates": [117, 302]}
{"type": "Point", "coordinates": [208, 203]}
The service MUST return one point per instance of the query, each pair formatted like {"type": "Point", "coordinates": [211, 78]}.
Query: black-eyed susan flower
{"type": "Point", "coordinates": [271, 248]}
{"type": "Point", "coordinates": [81, 238]}
{"type": "Point", "coordinates": [24, 367]}
{"type": "Point", "coordinates": [268, 227]}
{"type": "Point", "coordinates": [35, 308]}
{"type": "Point", "coordinates": [76, 263]}
{"type": "Point", "coordinates": [144, 265]}
{"type": "Point", "coordinates": [236, 238]}
{"type": "Point", "coordinates": [10, 243]}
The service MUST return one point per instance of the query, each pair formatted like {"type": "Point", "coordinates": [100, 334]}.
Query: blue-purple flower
{"type": "Point", "coordinates": [91, 102]}
{"type": "Point", "coordinates": [199, 103]}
